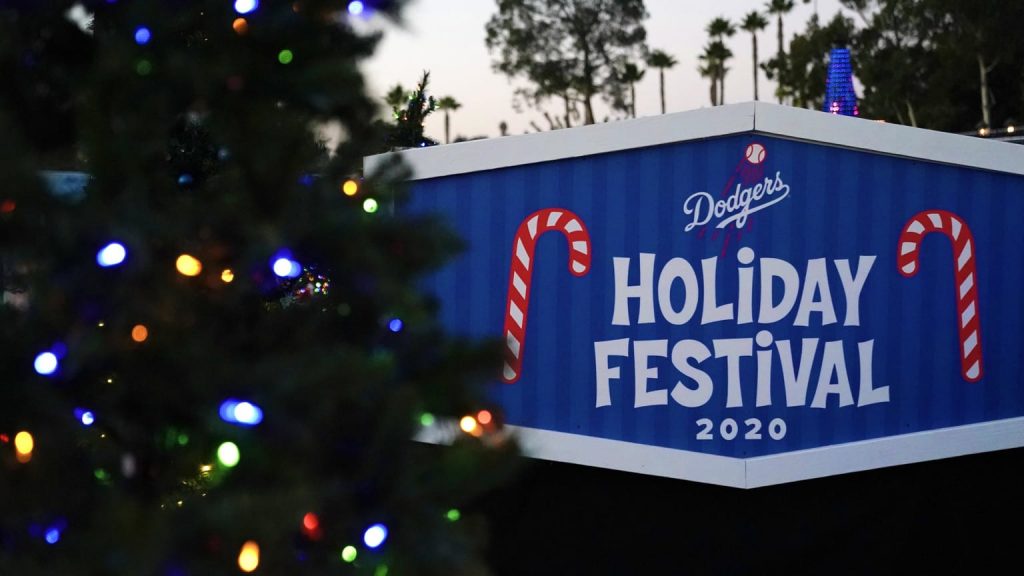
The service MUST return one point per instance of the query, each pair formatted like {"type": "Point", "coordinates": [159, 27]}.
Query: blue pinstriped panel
{"type": "Point", "coordinates": [842, 204]}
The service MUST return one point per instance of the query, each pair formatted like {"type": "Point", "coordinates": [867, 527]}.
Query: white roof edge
{"type": "Point", "coordinates": [507, 151]}
{"type": "Point", "coordinates": [890, 139]}
{"type": "Point", "coordinates": [761, 117]}
{"type": "Point", "coordinates": [760, 471]}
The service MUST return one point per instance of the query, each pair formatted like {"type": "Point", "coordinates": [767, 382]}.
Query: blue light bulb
{"type": "Point", "coordinates": [240, 412]}
{"type": "Point", "coordinates": [46, 363]}
{"type": "Point", "coordinates": [142, 35]}
{"type": "Point", "coordinates": [246, 6]}
{"type": "Point", "coordinates": [111, 255]}
{"type": "Point", "coordinates": [375, 535]}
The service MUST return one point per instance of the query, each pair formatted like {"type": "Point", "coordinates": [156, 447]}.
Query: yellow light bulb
{"type": "Point", "coordinates": [468, 424]}
{"type": "Point", "coordinates": [350, 187]}
{"type": "Point", "coordinates": [188, 265]}
{"type": "Point", "coordinates": [24, 443]}
{"type": "Point", "coordinates": [249, 557]}
{"type": "Point", "coordinates": [227, 275]}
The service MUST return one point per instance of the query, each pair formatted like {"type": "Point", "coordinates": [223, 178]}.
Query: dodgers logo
{"type": "Point", "coordinates": [752, 193]}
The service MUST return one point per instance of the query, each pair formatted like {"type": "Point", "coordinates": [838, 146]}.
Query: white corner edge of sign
{"type": "Point", "coordinates": [610, 454]}
{"type": "Point", "coordinates": [885, 452]}
{"type": "Point", "coordinates": [492, 153]}
{"type": "Point", "coordinates": [890, 139]}
{"type": "Point", "coordinates": [761, 471]}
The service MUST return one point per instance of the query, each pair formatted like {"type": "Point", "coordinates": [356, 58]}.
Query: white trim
{"type": "Point", "coordinates": [761, 117]}
{"type": "Point", "coordinates": [761, 471]}
{"type": "Point", "coordinates": [885, 452]}
{"type": "Point", "coordinates": [891, 139]}
{"type": "Point", "coordinates": [492, 153]}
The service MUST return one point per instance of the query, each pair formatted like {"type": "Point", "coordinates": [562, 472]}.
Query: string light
{"type": "Point", "coordinates": [240, 412]}
{"type": "Point", "coordinates": [46, 364]}
{"type": "Point", "coordinates": [355, 7]}
{"type": "Point", "coordinates": [24, 444]}
{"type": "Point", "coordinates": [143, 67]}
{"type": "Point", "coordinates": [140, 333]}
{"type": "Point", "coordinates": [453, 515]}
{"type": "Point", "coordinates": [111, 255]}
{"type": "Point", "coordinates": [142, 35]}
{"type": "Point", "coordinates": [86, 417]}
{"type": "Point", "coordinates": [52, 536]}
{"type": "Point", "coordinates": [426, 419]}
{"type": "Point", "coordinates": [484, 417]}
{"type": "Point", "coordinates": [249, 556]}
{"type": "Point", "coordinates": [246, 6]}
{"type": "Point", "coordinates": [240, 25]}
{"type": "Point", "coordinates": [395, 325]}
{"type": "Point", "coordinates": [310, 521]}
{"type": "Point", "coordinates": [228, 454]}
{"type": "Point", "coordinates": [350, 187]}
{"type": "Point", "coordinates": [468, 424]}
{"type": "Point", "coordinates": [188, 265]}
{"type": "Point", "coordinates": [285, 56]}
{"type": "Point", "coordinates": [311, 526]}
{"type": "Point", "coordinates": [370, 205]}
{"type": "Point", "coordinates": [284, 266]}
{"type": "Point", "coordinates": [227, 276]}
{"type": "Point", "coordinates": [349, 553]}
{"type": "Point", "coordinates": [375, 535]}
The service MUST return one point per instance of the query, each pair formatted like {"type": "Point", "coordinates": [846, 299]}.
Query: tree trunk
{"type": "Point", "coordinates": [754, 36]}
{"type": "Point", "coordinates": [986, 100]}
{"type": "Point", "coordinates": [568, 112]}
{"type": "Point", "coordinates": [588, 110]}
{"type": "Point", "coordinates": [782, 49]}
{"type": "Point", "coordinates": [632, 99]}
{"type": "Point", "coordinates": [661, 85]}
{"type": "Point", "coordinates": [446, 126]}
{"type": "Point", "coordinates": [714, 90]}
{"type": "Point", "coordinates": [911, 115]}
{"type": "Point", "coordinates": [721, 87]}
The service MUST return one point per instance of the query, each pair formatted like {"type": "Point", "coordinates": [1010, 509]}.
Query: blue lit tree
{"type": "Point", "coordinates": [839, 95]}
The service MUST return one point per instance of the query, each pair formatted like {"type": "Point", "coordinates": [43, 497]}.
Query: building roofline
{"type": "Point", "coordinates": [760, 117]}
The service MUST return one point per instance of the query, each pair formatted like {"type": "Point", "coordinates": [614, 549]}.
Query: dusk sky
{"type": "Point", "coordinates": [446, 37]}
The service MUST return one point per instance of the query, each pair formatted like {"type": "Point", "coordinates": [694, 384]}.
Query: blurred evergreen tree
{"type": "Point", "coordinates": [220, 265]}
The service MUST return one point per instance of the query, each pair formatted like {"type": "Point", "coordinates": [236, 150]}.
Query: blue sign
{"type": "Point", "coordinates": [728, 300]}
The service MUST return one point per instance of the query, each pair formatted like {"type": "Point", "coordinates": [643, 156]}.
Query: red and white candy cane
{"type": "Point", "coordinates": [521, 273]}
{"type": "Point", "coordinates": [964, 274]}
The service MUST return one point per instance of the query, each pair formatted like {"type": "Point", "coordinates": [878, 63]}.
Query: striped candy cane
{"type": "Point", "coordinates": [521, 273]}
{"type": "Point", "coordinates": [960, 235]}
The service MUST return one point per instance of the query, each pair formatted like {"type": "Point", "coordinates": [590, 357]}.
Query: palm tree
{"type": "Point", "coordinates": [714, 58]}
{"type": "Point", "coordinates": [778, 8]}
{"type": "Point", "coordinates": [708, 70]}
{"type": "Point", "coordinates": [720, 54]}
{"type": "Point", "coordinates": [661, 61]}
{"type": "Point", "coordinates": [753, 23]}
{"type": "Point", "coordinates": [447, 103]}
{"type": "Point", "coordinates": [631, 74]}
{"type": "Point", "coordinates": [718, 29]}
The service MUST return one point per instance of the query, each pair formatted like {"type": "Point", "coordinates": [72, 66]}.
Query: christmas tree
{"type": "Point", "coordinates": [839, 95]}
{"type": "Point", "coordinates": [214, 352]}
